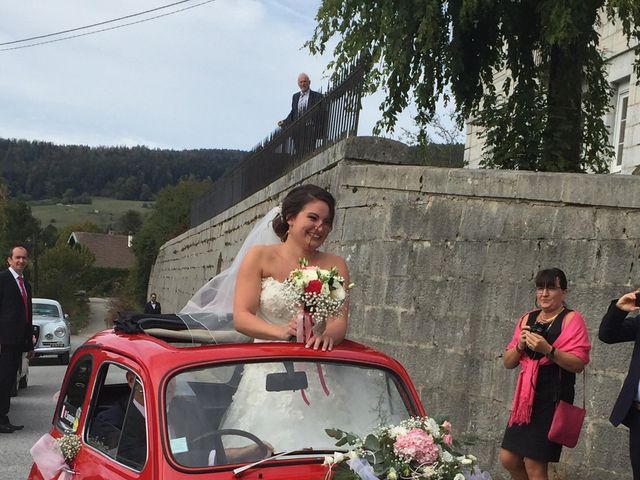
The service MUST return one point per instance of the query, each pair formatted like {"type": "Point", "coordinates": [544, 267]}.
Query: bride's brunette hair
{"type": "Point", "coordinates": [295, 201]}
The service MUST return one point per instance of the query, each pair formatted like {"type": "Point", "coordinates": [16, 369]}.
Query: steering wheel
{"type": "Point", "coordinates": [216, 437]}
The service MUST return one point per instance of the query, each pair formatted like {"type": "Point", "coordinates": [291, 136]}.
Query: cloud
{"type": "Point", "coordinates": [217, 76]}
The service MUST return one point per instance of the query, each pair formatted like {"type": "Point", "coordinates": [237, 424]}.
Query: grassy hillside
{"type": "Point", "coordinates": [102, 211]}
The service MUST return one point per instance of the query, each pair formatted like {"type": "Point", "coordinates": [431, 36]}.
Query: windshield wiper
{"type": "Point", "coordinates": [238, 471]}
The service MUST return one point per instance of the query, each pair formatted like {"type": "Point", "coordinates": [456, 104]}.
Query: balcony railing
{"type": "Point", "coordinates": [324, 123]}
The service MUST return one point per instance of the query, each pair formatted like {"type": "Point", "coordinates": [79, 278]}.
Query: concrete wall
{"type": "Point", "coordinates": [444, 261]}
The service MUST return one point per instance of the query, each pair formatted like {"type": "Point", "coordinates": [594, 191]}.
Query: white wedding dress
{"type": "Point", "coordinates": [351, 398]}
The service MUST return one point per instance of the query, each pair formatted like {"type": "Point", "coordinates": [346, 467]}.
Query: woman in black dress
{"type": "Point", "coordinates": [551, 345]}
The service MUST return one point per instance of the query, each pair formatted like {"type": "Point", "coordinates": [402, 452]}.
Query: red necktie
{"type": "Point", "coordinates": [25, 297]}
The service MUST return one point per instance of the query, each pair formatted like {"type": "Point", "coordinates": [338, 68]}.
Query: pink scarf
{"type": "Point", "coordinates": [573, 339]}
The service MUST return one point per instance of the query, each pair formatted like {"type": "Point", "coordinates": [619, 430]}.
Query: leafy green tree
{"type": "Point", "coordinates": [60, 272]}
{"type": "Point", "coordinates": [17, 225]}
{"type": "Point", "coordinates": [168, 218]}
{"type": "Point", "coordinates": [130, 222]}
{"type": "Point", "coordinates": [49, 236]}
{"type": "Point", "coordinates": [547, 112]}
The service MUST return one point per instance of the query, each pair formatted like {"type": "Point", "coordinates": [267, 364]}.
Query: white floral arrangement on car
{"type": "Point", "coordinates": [419, 448]}
{"type": "Point", "coordinates": [315, 294]}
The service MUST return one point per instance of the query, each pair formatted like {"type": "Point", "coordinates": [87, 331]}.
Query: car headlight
{"type": "Point", "coordinates": [60, 332]}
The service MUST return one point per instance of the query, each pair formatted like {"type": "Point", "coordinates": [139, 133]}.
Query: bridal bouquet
{"type": "Point", "coordinates": [53, 456]}
{"type": "Point", "coordinates": [418, 449]}
{"type": "Point", "coordinates": [318, 292]}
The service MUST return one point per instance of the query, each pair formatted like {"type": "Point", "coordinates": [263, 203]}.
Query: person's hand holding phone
{"type": "Point", "coordinates": [629, 302]}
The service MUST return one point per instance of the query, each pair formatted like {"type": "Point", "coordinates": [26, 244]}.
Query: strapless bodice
{"type": "Point", "coordinates": [274, 306]}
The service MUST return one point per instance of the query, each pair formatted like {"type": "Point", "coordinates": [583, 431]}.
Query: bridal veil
{"type": "Point", "coordinates": [211, 307]}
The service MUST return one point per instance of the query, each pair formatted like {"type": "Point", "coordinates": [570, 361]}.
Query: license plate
{"type": "Point", "coordinates": [53, 344]}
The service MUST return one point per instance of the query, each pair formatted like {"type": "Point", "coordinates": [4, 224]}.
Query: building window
{"type": "Point", "coordinates": [620, 126]}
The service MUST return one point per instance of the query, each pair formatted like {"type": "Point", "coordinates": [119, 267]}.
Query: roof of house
{"type": "Point", "coordinates": [111, 251]}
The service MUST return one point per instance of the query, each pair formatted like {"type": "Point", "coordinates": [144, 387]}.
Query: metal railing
{"type": "Point", "coordinates": [324, 123]}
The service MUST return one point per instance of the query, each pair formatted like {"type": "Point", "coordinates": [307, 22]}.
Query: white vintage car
{"type": "Point", "coordinates": [52, 328]}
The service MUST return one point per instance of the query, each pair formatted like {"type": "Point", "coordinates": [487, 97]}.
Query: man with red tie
{"type": "Point", "coordinates": [16, 332]}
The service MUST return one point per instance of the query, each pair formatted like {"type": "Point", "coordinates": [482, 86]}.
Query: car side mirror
{"type": "Point", "coordinates": [287, 381]}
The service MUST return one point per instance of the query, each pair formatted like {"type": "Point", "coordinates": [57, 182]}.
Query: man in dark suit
{"type": "Point", "coordinates": [616, 327]}
{"type": "Point", "coordinates": [153, 306]}
{"type": "Point", "coordinates": [305, 136]}
{"type": "Point", "coordinates": [122, 426]}
{"type": "Point", "coordinates": [16, 332]}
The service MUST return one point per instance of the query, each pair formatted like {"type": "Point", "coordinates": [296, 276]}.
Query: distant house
{"type": "Point", "coordinates": [111, 251]}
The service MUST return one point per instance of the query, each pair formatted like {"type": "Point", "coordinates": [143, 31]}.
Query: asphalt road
{"type": "Point", "coordinates": [34, 406]}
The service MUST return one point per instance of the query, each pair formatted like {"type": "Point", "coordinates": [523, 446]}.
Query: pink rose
{"type": "Point", "coordinates": [447, 439]}
{"type": "Point", "coordinates": [447, 426]}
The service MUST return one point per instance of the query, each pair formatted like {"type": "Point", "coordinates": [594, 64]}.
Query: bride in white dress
{"type": "Point", "coordinates": [303, 225]}
{"type": "Point", "coordinates": [262, 313]}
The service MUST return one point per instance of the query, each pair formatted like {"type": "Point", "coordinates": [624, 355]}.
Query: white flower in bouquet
{"type": "Point", "coordinates": [396, 431]}
{"type": "Point", "coordinates": [307, 274]}
{"type": "Point", "coordinates": [432, 427]}
{"type": "Point", "coordinates": [447, 457]}
{"type": "Point", "coordinates": [338, 293]}
{"type": "Point", "coordinates": [429, 471]}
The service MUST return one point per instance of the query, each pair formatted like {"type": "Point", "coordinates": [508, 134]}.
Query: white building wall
{"type": "Point", "coordinates": [621, 75]}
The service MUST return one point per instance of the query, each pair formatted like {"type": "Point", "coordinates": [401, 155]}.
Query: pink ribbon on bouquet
{"type": "Point", "coordinates": [48, 457]}
{"type": "Point", "coordinates": [304, 330]}
{"type": "Point", "coordinates": [304, 326]}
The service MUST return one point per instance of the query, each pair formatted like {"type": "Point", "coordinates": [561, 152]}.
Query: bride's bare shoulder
{"type": "Point", "coordinates": [332, 260]}
{"type": "Point", "coordinates": [262, 252]}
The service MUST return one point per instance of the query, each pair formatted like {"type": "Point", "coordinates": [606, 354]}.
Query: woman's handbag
{"type": "Point", "coordinates": [567, 421]}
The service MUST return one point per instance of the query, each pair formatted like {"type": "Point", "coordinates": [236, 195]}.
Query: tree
{"type": "Point", "coordinates": [17, 225]}
{"type": "Point", "coordinates": [130, 222]}
{"type": "Point", "coordinates": [546, 114]}
{"type": "Point", "coordinates": [169, 217]}
{"type": "Point", "coordinates": [446, 150]}
{"type": "Point", "coordinates": [61, 269]}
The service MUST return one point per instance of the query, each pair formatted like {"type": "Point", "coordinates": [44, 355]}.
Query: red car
{"type": "Point", "coordinates": [145, 407]}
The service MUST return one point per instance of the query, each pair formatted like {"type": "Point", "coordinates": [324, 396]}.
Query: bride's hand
{"type": "Point", "coordinates": [291, 329]}
{"type": "Point", "coordinates": [323, 341]}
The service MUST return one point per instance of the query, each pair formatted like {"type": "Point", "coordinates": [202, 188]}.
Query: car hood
{"type": "Point", "coordinates": [44, 320]}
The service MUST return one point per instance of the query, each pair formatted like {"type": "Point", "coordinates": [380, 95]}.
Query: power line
{"type": "Point", "coordinates": [101, 23]}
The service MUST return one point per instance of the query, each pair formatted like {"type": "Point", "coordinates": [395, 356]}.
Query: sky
{"type": "Point", "coordinates": [219, 75]}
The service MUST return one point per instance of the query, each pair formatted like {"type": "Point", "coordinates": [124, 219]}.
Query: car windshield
{"type": "Point", "coordinates": [45, 310]}
{"type": "Point", "coordinates": [243, 412]}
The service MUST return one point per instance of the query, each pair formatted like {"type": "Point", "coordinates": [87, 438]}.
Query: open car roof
{"type": "Point", "coordinates": [176, 328]}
